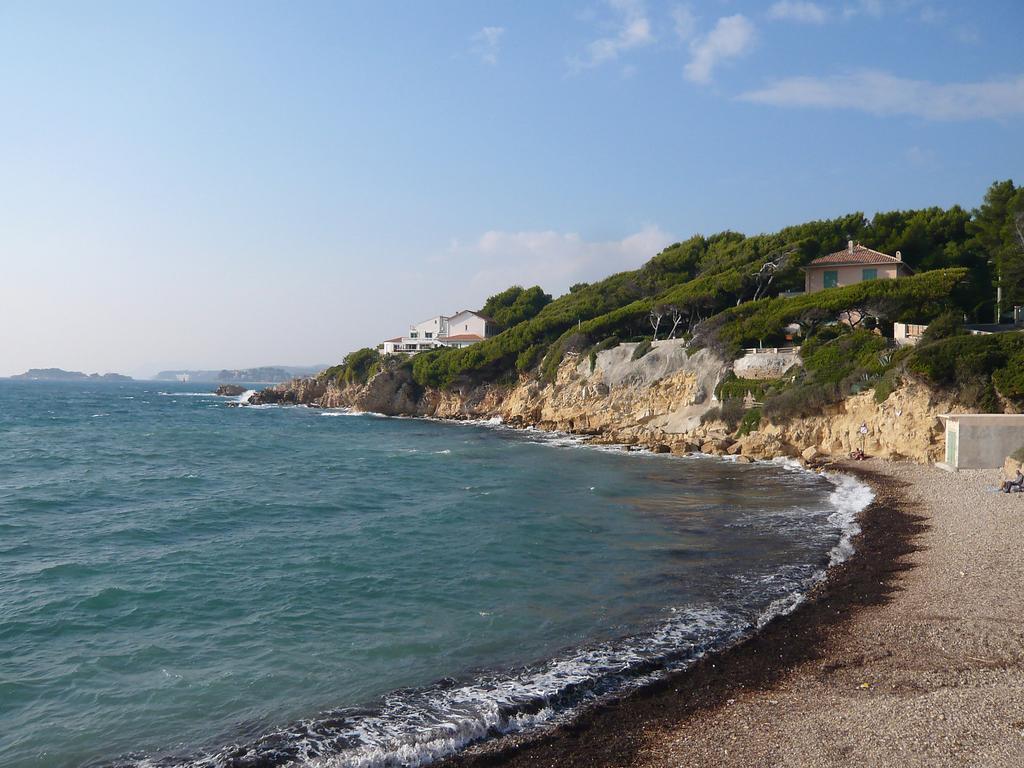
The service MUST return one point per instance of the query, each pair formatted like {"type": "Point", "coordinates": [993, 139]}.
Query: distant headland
{"type": "Point", "coordinates": [268, 374]}
{"type": "Point", "coordinates": [59, 374]}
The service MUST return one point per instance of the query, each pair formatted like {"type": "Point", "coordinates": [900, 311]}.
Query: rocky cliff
{"type": "Point", "coordinates": [656, 400]}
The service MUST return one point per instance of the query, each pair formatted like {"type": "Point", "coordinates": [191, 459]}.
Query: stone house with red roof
{"type": "Point", "coordinates": [853, 265]}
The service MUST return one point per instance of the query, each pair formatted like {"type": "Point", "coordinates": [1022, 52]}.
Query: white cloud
{"type": "Point", "coordinates": [684, 22]}
{"type": "Point", "coordinates": [731, 37]}
{"type": "Point", "coordinates": [921, 158]}
{"type": "Point", "coordinates": [553, 260]}
{"type": "Point", "coordinates": [967, 34]}
{"type": "Point", "coordinates": [798, 10]}
{"type": "Point", "coordinates": [487, 44]}
{"type": "Point", "coordinates": [873, 8]}
{"type": "Point", "coordinates": [633, 31]}
{"type": "Point", "coordinates": [880, 93]}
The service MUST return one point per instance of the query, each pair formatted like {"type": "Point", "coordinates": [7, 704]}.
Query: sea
{"type": "Point", "coordinates": [188, 581]}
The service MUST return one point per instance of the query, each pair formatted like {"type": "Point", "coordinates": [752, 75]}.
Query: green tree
{"type": "Point", "coordinates": [515, 305]}
{"type": "Point", "coordinates": [998, 231]}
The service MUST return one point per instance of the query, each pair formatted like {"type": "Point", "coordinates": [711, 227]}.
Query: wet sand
{"type": "Point", "coordinates": [910, 654]}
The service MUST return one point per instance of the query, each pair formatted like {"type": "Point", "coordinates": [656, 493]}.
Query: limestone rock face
{"type": "Point", "coordinates": [656, 401]}
{"type": "Point", "coordinates": [1010, 467]}
{"type": "Point", "coordinates": [904, 426]}
{"type": "Point", "coordinates": [663, 394]}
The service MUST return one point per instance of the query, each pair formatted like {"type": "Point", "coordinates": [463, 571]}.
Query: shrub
{"type": "Point", "coordinates": [733, 386]}
{"type": "Point", "coordinates": [834, 366]}
{"type": "Point", "coordinates": [731, 412]}
{"type": "Point", "coordinates": [528, 358]}
{"type": "Point", "coordinates": [642, 349]}
{"type": "Point", "coordinates": [945, 325]}
{"type": "Point", "coordinates": [803, 399]}
{"type": "Point", "coordinates": [750, 422]}
{"type": "Point", "coordinates": [711, 414]}
{"type": "Point", "coordinates": [357, 367]}
{"type": "Point", "coordinates": [975, 367]}
{"type": "Point", "coordinates": [515, 305]}
{"type": "Point", "coordinates": [886, 385]}
{"type": "Point", "coordinates": [609, 343]}
{"type": "Point", "coordinates": [1009, 379]}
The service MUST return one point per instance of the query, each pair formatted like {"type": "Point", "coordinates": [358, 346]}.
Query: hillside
{"type": "Point", "coordinates": [724, 293]}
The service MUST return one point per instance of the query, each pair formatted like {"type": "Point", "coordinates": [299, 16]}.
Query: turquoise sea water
{"type": "Point", "coordinates": [183, 582]}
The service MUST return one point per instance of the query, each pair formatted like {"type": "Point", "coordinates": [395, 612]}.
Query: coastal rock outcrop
{"type": "Point", "coordinates": [230, 390]}
{"type": "Point", "coordinates": [656, 401]}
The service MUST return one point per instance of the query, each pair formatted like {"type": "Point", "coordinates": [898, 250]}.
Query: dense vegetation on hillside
{"type": "Point", "coordinates": [692, 281]}
{"type": "Point", "coordinates": [724, 291]}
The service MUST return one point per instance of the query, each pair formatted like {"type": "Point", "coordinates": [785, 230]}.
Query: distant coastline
{"type": "Point", "coordinates": [59, 374]}
{"type": "Point", "coordinates": [266, 374]}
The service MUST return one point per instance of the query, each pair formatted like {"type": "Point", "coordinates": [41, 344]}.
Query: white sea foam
{"type": "Point", "coordinates": [415, 728]}
{"type": "Point", "coordinates": [849, 498]}
{"type": "Point", "coordinates": [189, 394]}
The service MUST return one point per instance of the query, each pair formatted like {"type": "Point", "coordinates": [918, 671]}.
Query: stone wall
{"type": "Point", "coordinates": [766, 364]}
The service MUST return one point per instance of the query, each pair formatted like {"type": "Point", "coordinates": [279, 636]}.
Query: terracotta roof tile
{"type": "Point", "coordinates": [860, 255]}
{"type": "Point", "coordinates": [463, 337]}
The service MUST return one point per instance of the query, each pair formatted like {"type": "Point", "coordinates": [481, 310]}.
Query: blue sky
{"type": "Point", "coordinates": [242, 183]}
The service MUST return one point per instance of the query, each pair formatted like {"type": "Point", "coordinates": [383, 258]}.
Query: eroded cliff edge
{"type": "Point", "coordinates": [657, 401]}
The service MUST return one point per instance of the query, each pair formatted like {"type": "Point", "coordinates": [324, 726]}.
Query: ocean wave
{"type": "Point", "coordinates": [417, 727]}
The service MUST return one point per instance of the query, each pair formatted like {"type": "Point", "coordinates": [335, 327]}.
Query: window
{"type": "Point", "coordinates": [413, 335]}
{"type": "Point", "coordinates": [428, 335]}
{"type": "Point", "coordinates": [831, 278]}
{"type": "Point", "coordinates": [869, 274]}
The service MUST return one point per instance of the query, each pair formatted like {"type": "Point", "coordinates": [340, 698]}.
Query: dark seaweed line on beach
{"type": "Point", "coordinates": [610, 735]}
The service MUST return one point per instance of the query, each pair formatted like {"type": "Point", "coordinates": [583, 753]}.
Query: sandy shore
{"type": "Point", "coordinates": [912, 654]}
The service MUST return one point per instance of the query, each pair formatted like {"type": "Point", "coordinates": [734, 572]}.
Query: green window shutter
{"type": "Point", "coordinates": [831, 278]}
{"type": "Point", "coordinates": [869, 274]}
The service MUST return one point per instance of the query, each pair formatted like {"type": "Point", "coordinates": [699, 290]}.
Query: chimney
{"type": "Point", "coordinates": [849, 246]}
{"type": "Point", "coordinates": [899, 256]}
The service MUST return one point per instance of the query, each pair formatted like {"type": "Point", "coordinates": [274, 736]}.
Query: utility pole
{"type": "Point", "coordinates": [999, 296]}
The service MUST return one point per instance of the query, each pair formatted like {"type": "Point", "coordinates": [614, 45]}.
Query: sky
{"type": "Point", "coordinates": [231, 184]}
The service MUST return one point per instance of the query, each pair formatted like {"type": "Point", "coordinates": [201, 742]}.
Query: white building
{"type": "Point", "coordinates": [459, 330]}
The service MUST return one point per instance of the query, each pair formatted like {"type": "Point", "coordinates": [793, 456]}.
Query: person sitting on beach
{"type": "Point", "coordinates": [1014, 486]}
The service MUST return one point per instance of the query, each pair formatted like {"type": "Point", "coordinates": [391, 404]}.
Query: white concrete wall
{"type": "Point", "coordinates": [986, 440]}
{"type": "Point", "coordinates": [432, 326]}
{"type": "Point", "coordinates": [467, 322]}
